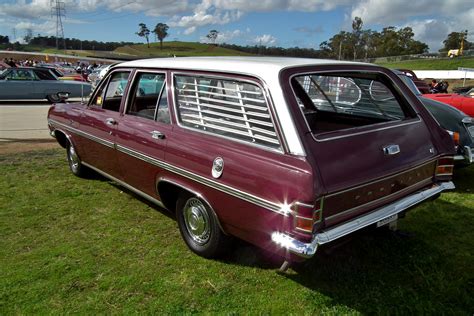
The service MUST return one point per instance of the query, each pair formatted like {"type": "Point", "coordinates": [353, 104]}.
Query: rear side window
{"type": "Point", "coordinates": [231, 108]}
{"type": "Point", "coordinates": [331, 102]}
{"type": "Point", "coordinates": [148, 97]}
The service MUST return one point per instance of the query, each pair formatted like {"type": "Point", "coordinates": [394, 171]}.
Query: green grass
{"type": "Point", "coordinates": [432, 64]}
{"type": "Point", "coordinates": [70, 245]}
{"type": "Point", "coordinates": [178, 49]}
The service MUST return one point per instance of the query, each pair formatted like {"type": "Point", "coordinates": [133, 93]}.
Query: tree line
{"type": "Point", "coordinates": [358, 43]}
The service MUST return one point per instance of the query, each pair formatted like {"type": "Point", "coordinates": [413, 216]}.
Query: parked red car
{"type": "Point", "coordinates": [463, 102]}
{"type": "Point", "coordinates": [287, 154]}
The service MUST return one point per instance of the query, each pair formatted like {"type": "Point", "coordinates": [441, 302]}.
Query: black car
{"type": "Point", "coordinates": [459, 125]}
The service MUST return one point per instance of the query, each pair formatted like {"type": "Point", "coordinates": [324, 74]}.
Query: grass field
{"type": "Point", "coordinates": [432, 64]}
{"type": "Point", "coordinates": [178, 49]}
{"type": "Point", "coordinates": [70, 245]}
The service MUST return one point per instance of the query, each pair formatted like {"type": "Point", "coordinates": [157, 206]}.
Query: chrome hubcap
{"type": "Point", "coordinates": [196, 220]}
{"type": "Point", "coordinates": [73, 159]}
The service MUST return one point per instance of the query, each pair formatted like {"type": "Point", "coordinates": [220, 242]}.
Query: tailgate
{"type": "Point", "coordinates": [370, 145]}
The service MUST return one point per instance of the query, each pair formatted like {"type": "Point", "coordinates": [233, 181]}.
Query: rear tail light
{"type": "Point", "coordinates": [306, 216]}
{"type": "Point", "coordinates": [445, 167]}
{"type": "Point", "coordinates": [455, 136]}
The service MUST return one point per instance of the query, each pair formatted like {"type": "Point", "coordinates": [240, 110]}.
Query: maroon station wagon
{"type": "Point", "coordinates": [287, 154]}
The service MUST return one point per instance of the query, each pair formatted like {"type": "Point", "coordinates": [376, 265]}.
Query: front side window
{"type": "Point", "coordinates": [332, 102]}
{"type": "Point", "coordinates": [110, 94]}
{"type": "Point", "coordinates": [149, 98]}
{"type": "Point", "coordinates": [21, 74]}
{"type": "Point", "coordinates": [226, 107]}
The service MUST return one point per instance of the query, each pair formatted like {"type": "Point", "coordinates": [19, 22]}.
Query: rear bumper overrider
{"type": "Point", "coordinates": [467, 156]}
{"type": "Point", "coordinates": [307, 250]}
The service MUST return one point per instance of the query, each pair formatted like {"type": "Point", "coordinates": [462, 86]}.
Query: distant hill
{"type": "Point", "coordinates": [178, 49]}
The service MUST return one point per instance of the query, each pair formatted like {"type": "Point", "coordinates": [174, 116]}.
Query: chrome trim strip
{"type": "Point", "coordinates": [128, 187]}
{"type": "Point", "coordinates": [275, 207]}
{"type": "Point", "coordinates": [383, 179]}
{"type": "Point", "coordinates": [197, 194]}
{"type": "Point", "coordinates": [83, 134]}
{"type": "Point", "coordinates": [208, 182]}
{"type": "Point", "coordinates": [307, 250]}
{"type": "Point", "coordinates": [355, 209]}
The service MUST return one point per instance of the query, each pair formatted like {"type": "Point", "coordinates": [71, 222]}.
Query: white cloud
{"type": "Point", "coordinates": [227, 36]}
{"type": "Point", "coordinates": [265, 40]}
{"type": "Point", "coordinates": [202, 18]}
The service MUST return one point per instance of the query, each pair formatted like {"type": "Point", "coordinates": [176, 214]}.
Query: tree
{"type": "Point", "coordinates": [28, 36]}
{"type": "Point", "coordinates": [4, 39]}
{"type": "Point", "coordinates": [144, 32]}
{"type": "Point", "coordinates": [454, 39]}
{"type": "Point", "coordinates": [161, 31]}
{"type": "Point", "coordinates": [212, 36]}
{"type": "Point", "coordinates": [356, 35]}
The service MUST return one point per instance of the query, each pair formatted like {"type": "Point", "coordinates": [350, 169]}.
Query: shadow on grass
{"type": "Point", "coordinates": [422, 271]}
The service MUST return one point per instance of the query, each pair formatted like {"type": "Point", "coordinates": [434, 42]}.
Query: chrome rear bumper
{"type": "Point", "coordinates": [468, 155]}
{"type": "Point", "coordinates": [307, 250]}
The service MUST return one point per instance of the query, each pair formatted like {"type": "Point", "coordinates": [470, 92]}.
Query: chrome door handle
{"type": "Point", "coordinates": [391, 150]}
{"type": "Point", "coordinates": [110, 122]}
{"type": "Point", "coordinates": [157, 135]}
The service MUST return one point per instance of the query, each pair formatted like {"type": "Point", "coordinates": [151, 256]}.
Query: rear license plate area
{"type": "Point", "coordinates": [387, 220]}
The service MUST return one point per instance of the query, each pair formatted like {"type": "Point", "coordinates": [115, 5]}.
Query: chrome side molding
{"type": "Point", "coordinates": [307, 250]}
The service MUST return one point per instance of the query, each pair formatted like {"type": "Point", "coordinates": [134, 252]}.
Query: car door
{"type": "Point", "coordinates": [99, 124]}
{"type": "Point", "coordinates": [142, 131]}
{"type": "Point", "coordinates": [17, 84]}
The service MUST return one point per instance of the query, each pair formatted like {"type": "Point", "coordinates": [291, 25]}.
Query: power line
{"type": "Point", "coordinates": [58, 10]}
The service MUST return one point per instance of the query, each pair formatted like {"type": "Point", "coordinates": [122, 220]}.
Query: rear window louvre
{"type": "Point", "coordinates": [230, 108]}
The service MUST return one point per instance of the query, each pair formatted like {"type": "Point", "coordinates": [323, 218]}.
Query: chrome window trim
{"type": "Point", "coordinates": [248, 197]}
{"type": "Point", "coordinates": [132, 81]}
{"type": "Point", "coordinates": [106, 81]}
{"type": "Point", "coordinates": [258, 82]}
{"type": "Point", "coordinates": [125, 185]}
{"type": "Point", "coordinates": [415, 120]}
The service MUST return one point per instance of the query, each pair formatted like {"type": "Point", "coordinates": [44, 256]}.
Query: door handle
{"type": "Point", "coordinates": [110, 121]}
{"type": "Point", "coordinates": [391, 150]}
{"type": "Point", "coordinates": [157, 135]}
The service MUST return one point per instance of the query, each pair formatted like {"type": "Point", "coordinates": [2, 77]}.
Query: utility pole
{"type": "Point", "coordinates": [58, 11]}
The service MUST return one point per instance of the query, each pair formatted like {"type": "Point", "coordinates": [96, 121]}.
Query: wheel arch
{"type": "Point", "coordinates": [169, 190]}
{"type": "Point", "coordinates": [62, 138]}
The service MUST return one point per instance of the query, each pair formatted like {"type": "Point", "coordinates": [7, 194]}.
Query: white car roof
{"type": "Point", "coordinates": [258, 66]}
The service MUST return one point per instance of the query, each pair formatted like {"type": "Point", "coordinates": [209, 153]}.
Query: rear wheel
{"type": "Point", "coordinates": [199, 227]}
{"type": "Point", "coordinates": [75, 164]}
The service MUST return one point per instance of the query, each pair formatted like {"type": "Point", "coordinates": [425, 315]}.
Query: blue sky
{"type": "Point", "coordinates": [286, 23]}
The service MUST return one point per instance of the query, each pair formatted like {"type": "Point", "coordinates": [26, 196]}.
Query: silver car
{"type": "Point", "coordinates": [30, 83]}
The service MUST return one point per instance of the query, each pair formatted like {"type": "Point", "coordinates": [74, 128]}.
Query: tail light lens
{"type": "Point", "coordinates": [306, 216]}
{"type": "Point", "coordinates": [455, 136]}
{"type": "Point", "coordinates": [445, 167]}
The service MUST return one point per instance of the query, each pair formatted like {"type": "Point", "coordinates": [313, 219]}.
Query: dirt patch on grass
{"type": "Point", "coordinates": [19, 146]}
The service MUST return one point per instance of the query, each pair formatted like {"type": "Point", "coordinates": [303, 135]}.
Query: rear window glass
{"type": "Point", "coordinates": [231, 108]}
{"type": "Point", "coordinates": [331, 102]}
